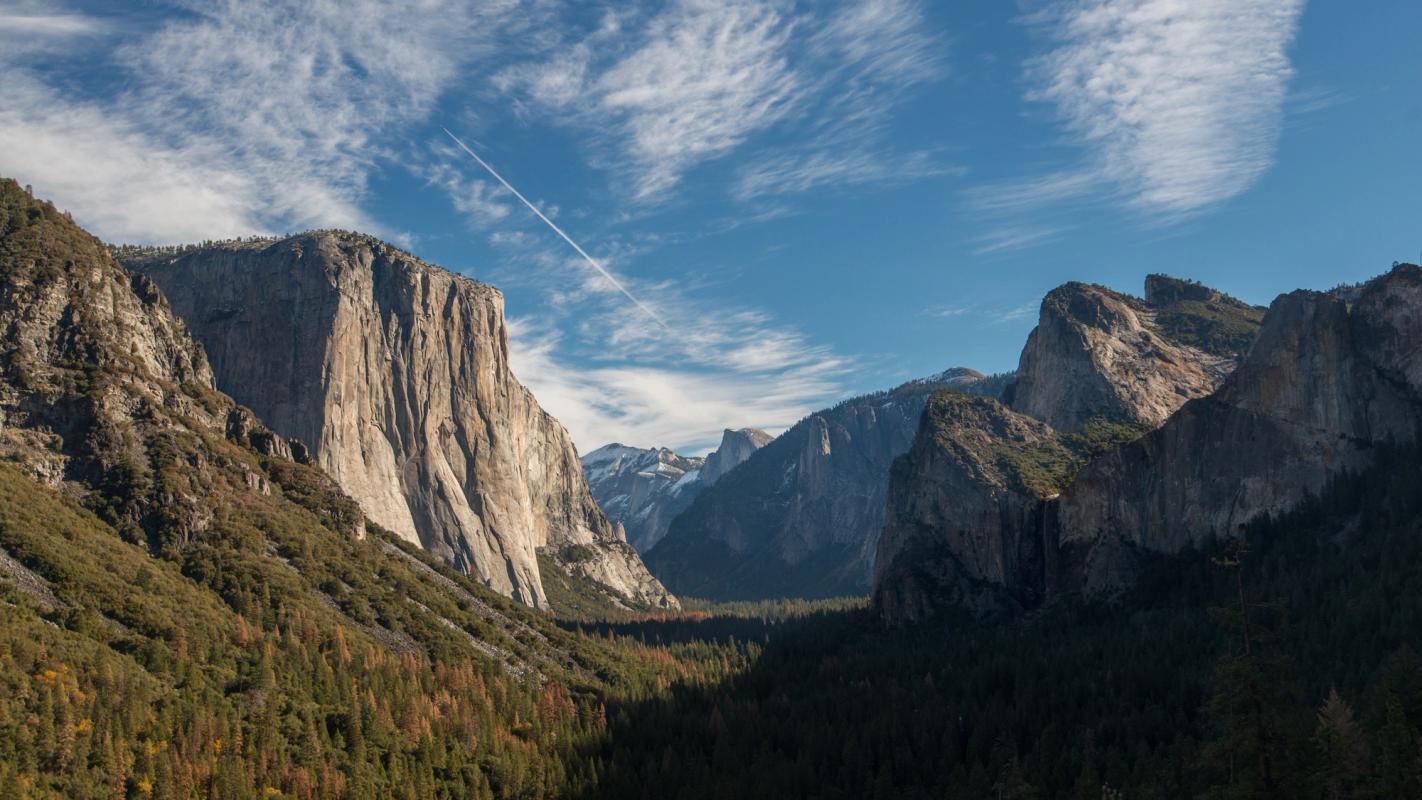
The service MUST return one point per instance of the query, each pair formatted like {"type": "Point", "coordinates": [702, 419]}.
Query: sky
{"type": "Point", "coordinates": [728, 213]}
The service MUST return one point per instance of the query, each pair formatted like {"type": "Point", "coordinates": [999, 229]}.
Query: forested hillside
{"type": "Point", "coordinates": [1289, 667]}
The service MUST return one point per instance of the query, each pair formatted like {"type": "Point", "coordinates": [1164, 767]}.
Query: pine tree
{"type": "Point", "coordinates": [1342, 750]}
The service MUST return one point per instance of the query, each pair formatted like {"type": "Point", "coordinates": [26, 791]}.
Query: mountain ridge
{"type": "Point", "coordinates": [1324, 386]}
{"type": "Point", "coordinates": [395, 374]}
{"type": "Point", "coordinates": [801, 515]}
{"type": "Point", "coordinates": [644, 489]}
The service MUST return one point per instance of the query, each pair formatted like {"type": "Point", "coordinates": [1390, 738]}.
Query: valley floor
{"type": "Point", "coordinates": [1156, 697]}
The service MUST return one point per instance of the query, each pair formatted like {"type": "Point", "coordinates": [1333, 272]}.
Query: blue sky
{"type": "Point", "coordinates": [815, 199]}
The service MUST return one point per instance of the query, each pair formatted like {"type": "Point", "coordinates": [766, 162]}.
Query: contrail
{"type": "Point", "coordinates": [531, 207]}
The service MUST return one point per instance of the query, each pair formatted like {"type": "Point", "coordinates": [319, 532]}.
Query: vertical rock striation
{"type": "Point", "coordinates": [1326, 383]}
{"type": "Point", "coordinates": [1326, 386]}
{"type": "Point", "coordinates": [802, 515]}
{"type": "Point", "coordinates": [395, 373]}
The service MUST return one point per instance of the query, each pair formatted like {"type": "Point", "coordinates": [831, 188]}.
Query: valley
{"type": "Point", "coordinates": [1173, 554]}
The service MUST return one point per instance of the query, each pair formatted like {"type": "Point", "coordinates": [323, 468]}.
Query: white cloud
{"type": "Point", "coordinates": [610, 373]}
{"type": "Point", "coordinates": [1016, 237]}
{"type": "Point", "coordinates": [113, 178]}
{"type": "Point", "coordinates": [241, 117]}
{"type": "Point", "coordinates": [1178, 100]}
{"type": "Point", "coordinates": [37, 26]}
{"type": "Point", "coordinates": [684, 395]}
{"type": "Point", "coordinates": [1030, 194]}
{"type": "Point", "coordinates": [483, 203]}
{"type": "Point", "coordinates": [702, 78]}
{"type": "Point", "coordinates": [1015, 313]}
{"type": "Point", "coordinates": [710, 74]}
{"type": "Point", "coordinates": [796, 173]}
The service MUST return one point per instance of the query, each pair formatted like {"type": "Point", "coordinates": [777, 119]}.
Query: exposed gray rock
{"type": "Point", "coordinates": [395, 373]}
{"type": "Point", "coordinates": [964, 510]}
{"type": "Point", "coordinates": [736, 447]}
{"type": "Point", "coordinates": [802, 516]}
{"type": "Point", "coordinates": [1326, 383]}
{"type": "Point", "coordinates": [1099, 353]}
{"type": "Point", "coordinates": [644, 489]}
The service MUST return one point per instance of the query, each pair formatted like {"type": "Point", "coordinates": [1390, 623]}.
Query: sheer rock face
{"type": "Point", "coordinates": [1322, 387]}
{"type": "Point", "coordinates": [962, 527]}
{"type": "Point", "coordinates": [1099, 353]}
{"type": "Point", "coordinates": [736, 447]}
{"type": "Point", "coordinates": [1325, 383]}
{"type": "Point", "coordinates": [802, 516]}
{"type": "Point", "coordinates": [644, 489]}
{"type": "Point", "coordinates": [396, 374]}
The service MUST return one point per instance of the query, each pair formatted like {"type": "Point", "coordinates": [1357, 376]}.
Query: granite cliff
{"type": "Point", "coordinates": [1326, 386]}
{"type": "Point", "coordinates": [802, 515]}
{"type": "Point", "coordinates": [395, 374]}
{"type": "Point", "coordinates": [1098, 353]}
{"type": "Point", "coordinates": [644, 489]}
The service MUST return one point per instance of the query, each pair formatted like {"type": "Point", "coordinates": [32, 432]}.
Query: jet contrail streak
{"type": "Point", "coordinates": [531, 207]}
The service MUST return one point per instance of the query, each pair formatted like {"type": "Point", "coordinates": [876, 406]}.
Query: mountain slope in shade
{"type": "Point", "coordinates": [644, 489]}
{"type": "Point", "coordinates": [395, 372]}
{"type": "Point", "coordinates": [1327, 386]}
{"type": "Point", "coordinates": [802, 515]}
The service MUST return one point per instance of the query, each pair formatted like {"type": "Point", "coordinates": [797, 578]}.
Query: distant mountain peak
{"type": "Point", "coordinates": [645, 488]}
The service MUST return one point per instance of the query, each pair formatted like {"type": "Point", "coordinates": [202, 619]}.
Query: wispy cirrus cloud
{"type": "Point", "coordinates": [726, 374]}
{"type": "Point", "coordinates": [238, 117]}
{"type": "Point", "coordinates": [1016, 237]}
{"type": "Point", "coordinates": [687, 84]}
{"type": "Point", "coordinates": [26, 28]}
{"type": "Point", "coordinates": [665, 93]}
{"type": "Point", "coordinates": [797, 173]}
{"type": "Point", "coordinates": [1178, 101]}
{"type": "Point", "coordinates": [1030, 194]}
{"type": "Point", "coordinates": [609, 372]}
{"type": "Point", "coordinates": [231, 118]}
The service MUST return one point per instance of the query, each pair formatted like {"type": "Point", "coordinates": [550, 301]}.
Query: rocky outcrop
{"type": "Point", "coordinates": [395, 374]}
{"type": "Point", "coordinates": [644, 489]}
{"type": "Point", "coordinates": [1325, 384]}
{"type": "Point", "coordinates": [801, 517]}
{"type": "Point", "coordinates": [104, 394]}
{"type": "Point", "coordinates": [736, 447]}
{"type": "Point", "coordinates": [1324, 387]}
{"type": "Point", "coordinates": [1099, 353]}
{"type": "Point", "coordinates": [964, 511]}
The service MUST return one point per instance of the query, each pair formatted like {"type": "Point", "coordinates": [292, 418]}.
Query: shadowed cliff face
{"type": "Point", "coordinates": [1323, 386]}
{"type": "Point", "coordinates": [645, 489]}
{"type": "Point", "coordinates": [801, 516]}
{"type": "Point", "coordinates": [963, 510]}
{"type": "Point", "coordinates": [396, 373]}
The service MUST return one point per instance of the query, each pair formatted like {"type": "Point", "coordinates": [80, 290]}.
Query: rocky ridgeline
{"type": "Point", "coordinates": [643, 489]}
{"type": "Point", "coordinates": [1099, 353]}
{"type": "Point", "coordinates": [990, 514]}
{"type": "Point", "coordinates": [105, 395]}
{"type": "Point", "coordinates": [802, 515]}
{"type": "Point", "coordinates": [395, 374]}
